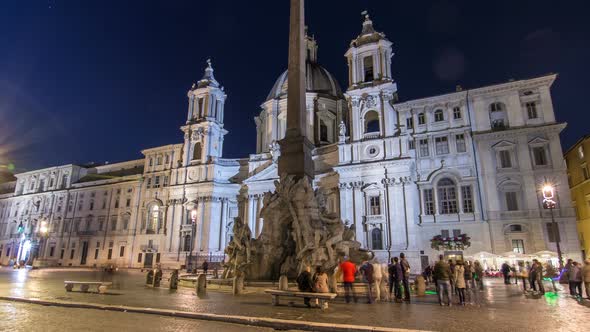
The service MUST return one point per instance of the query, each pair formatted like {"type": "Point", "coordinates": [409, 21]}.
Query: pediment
{"type": "Point", "coordinates": [503, 145]}
{"type": "Point", "coordinates": [371, 187]}
{"type": "Point", "coordinates": [538, 141]}
{"type": "Point", "coordinates": [268, 173]}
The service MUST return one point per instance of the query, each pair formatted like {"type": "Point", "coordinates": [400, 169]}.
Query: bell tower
{"type": "Point", "coordinates": [203, 132]}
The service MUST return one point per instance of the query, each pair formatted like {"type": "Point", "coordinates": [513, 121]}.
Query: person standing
{"type": "Point", "coordinates": [468, 275]}
{"type": "Point", "coordinates": [406, 276]}
{"type": "Point", "coordinates": [576, 279]}
{"type": "Point", "coordinates": [205, 267]}
{"type": "Point", "coordinates": [586, 277]}
{"type": "Point", "coordinates": [538, 275]}
{"type": "Point", "coordinates": [391, 273]}
{"type": "Point", "coordinates": [567, 269]}
{"type": "Point", "coordinates": [396, 276]}
{"type": "Point", "coordinates": [523, 274]}
{"type": "Point", "coordinates": [478, 274]}
{"type": "Point", "coordinates": [320, 281]}
{"type": "Point", "coordinates": [377, 277]}
{"type": "Point", "coordinates": [452, 267]}
{"type": "Point", "coordinates": [442, 274]}
{"type": "Point", "coordinates": [459, 278]}
{"type": "Point", "coordinates": [506, 273]}
{"type": "Point", "coordinates": [305, 284]}
{"type": "Point", "coordinates": [348, 269]}
{"type": "Point", "coordinates": [367, 271]}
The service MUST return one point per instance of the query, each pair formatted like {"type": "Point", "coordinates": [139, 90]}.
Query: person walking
{"type": "Point", "coordinates": [348, 269]}
{"type": "Point", "coordinates": [305, 284]}
{"type": "Point", "coordinates": [506, 273]}
{"type": "Point", "coordinates": [367, 271]}
{"type": "Point", "coordinates": [406, 276]}
{"type": "Point", "coordinates": [538, 275]}
{"type": "Point", "coordinates": [459, 279]}
{"type": "Point", "coordinates": [442, 274]}
{"type": "Point", "coordinates": [468, 275]}
{"type": "Point", "coordinates": [586, 277]}
{"type": "Point", "coordinates": [576, 279]}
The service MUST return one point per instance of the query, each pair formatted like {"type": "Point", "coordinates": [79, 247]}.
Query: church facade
{"type": "Point", "coordinates": [459, 173]}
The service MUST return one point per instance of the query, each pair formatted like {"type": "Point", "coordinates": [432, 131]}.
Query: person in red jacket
{"type": "Point", "coordinates": [348, 269]}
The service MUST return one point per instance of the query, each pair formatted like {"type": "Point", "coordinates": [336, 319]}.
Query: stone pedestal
{"type": "Point", "coordinates": [420, 286]}
{"type": "Point", "coordinates": [283, 283]}
{"type": "Point", "coordinates": [201, 284]}
{"type": "Point", "coordinates": [238, 285]}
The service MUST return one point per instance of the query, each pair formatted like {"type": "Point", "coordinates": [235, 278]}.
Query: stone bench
{"type": "Point", "coordinates": [323, 298]}
{"type": "Point", "coordinates": [84, 285]}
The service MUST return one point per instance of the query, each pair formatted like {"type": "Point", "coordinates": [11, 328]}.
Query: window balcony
{"type": "Point", "coordinates": [147, 247]}
{"type": "Point", "coordinates": [86, 233]}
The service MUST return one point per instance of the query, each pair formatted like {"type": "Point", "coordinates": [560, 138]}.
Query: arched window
{"type": "Point", "coordinates": [187, 243]}
{"type": "Point", "coordinates": [377, 239]}
{"type": "Point", "coordinates": [323, 132]}
{"type": "Point", "coordinates": [447, 196]}
{"type": "Point", "coordinates": [197, 152]}
{"type": "Point", "coordinates": [498, 116]}
{"type": "Point", "coordinates": [439, 115]}
{"type": "Point", "coordinates": [153, 218]}
{"type": "Point", "coordinates": [372, 122]}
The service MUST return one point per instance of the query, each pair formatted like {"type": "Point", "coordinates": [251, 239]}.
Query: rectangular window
{"type": "Point", "coordinates": [411, 145]}
{"type": "Point", "coordinates": [114, 223]}
{"type": "Point", "coordinates": [368, 66]}
{"type": "Point", "coordinates": [149, 183]}
{"type": "Point", "coordinates": [409, 123]}
{"type": "Point", "coordinates": [518, 246]}
{"type": "Point", "coordinates": [122, 251]}
{"type": "Point", "coordinates": [585, 172]}
{"type": "Point", "coordinates": [467, 194]}
{"type": "Point", "coordinates": [428, 201]}
{"type": "Point", "coordinates": [139, 257]}
{"type": "Point", "coordinates": [165, 184]}
{"type": "Point", "coordinates": [128, 202]}
{"type": "Point", "coordinates": [421, 119]}
{"type": "Point", "coordinates": [423, 143]}
{"type": "Point", "coordinates": [91, 207]}
{"type": "Point", "coordinates": [460, 142]}
{"type": "Point", "coordinates": [61, 254]}
{"type": "Point", "coordinates": [72, 253]}
{"type": "Point", "coordinates": [456, 232]}
{"type": "Point", "coordinates": [445, 233]}
{"type": "Point", "coordinates": [553, 232]}
{"type": "Point", "coordinates": [457, 113]}
{"type": "Point", "coordinates": [110, 253]}
{"type": "Point", "coordinates": [96, 253]}
{"type": "Point", "coordinates": [375, 205]}
{"type": "Point", "coordinates": [117, 202]}
{"type": "Point", "coordinates": [531, 110]}
{"type": "Point", "coordinates": [157, 182]}
{"type": "Point", "coordinates": [442, 145]}
{"type": "Point", "coordinates": [51, 251]}
{"type": "Point", "coordinates": [539, 156]}
{"type": "Point", "coordinates": [505, 159]}
{"type": "Point", "coordinates": [511, 201]}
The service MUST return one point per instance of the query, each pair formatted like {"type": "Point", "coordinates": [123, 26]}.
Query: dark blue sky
{"type": "Point", "coordinates": [84, 81]}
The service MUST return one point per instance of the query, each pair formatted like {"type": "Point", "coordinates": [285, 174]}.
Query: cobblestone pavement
{"type": "Point", "coordinates": [498, 308]}
{"type": "Point", "coordinates": [30, 317]}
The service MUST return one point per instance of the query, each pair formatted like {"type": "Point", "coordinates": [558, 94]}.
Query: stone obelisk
{"type": "Point", "coordinates": [295, 158]}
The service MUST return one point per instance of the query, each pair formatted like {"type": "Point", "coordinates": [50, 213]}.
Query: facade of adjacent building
{"type": "Point", "coordinates": [577, 158]}
{"type": "Point", "coordinates": [464, 164]}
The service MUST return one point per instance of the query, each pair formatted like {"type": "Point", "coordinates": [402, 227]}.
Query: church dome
{"type": "Point", "coordinates": [317, 80]}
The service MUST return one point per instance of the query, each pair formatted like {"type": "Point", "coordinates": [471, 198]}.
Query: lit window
{"type": "Point", "coordinates": [585, 172]}
{"type": "Point", "coordinates": [581, 152]}
{"type": "Point", "coordinates": [518, 246]}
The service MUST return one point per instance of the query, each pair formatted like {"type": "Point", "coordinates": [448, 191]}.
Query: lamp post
{"type": "Point", "coordinates": [549, 203]}
{"type": "Point", "coordinates": [193, 233]}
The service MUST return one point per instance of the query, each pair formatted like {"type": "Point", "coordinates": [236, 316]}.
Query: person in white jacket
{"type": "Point", "coordinates": [459, 278]}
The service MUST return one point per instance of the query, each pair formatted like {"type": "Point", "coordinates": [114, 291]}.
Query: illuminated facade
{"type": "Point", "coordinates": [467, 163]}
{"type": "Point", "coordinates": [577, 158]}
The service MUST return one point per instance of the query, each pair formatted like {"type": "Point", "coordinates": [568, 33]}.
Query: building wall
{"type": "Point", "coordinates": [577, 158]}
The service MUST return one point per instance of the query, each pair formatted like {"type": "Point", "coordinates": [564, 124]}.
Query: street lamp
{"type": "Point", "coordinates": [550, 204]}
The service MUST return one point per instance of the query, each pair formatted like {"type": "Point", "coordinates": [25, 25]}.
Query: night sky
{"type": "Point", "coordinates": [95, 81]}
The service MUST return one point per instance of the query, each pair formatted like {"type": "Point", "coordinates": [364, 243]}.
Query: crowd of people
{"type": "Point", "coordinates": [461, 279]}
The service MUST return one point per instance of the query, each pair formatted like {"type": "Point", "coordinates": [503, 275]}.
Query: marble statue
{"type": "Point", "coordinates": [298, 231]}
